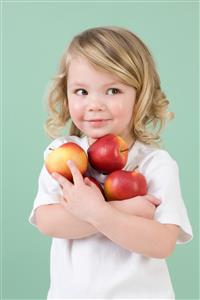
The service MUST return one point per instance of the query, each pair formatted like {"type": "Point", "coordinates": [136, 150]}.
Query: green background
{"type": "Point", "coordinates": [34, 37]}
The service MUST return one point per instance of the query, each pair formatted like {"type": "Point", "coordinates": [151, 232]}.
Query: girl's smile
{"type": "Point", "coordinates": [99, 103]}
{"type": "Point", "coordinates": [98, 122]}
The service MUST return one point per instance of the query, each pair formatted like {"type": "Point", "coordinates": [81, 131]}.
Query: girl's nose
{"type": "Point", "coordinates": [95, 107]}
{"type": "Point", "coordinates": [95, 104]}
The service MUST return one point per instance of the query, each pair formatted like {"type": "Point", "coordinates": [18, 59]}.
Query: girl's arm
{"type": "Point", "coordinates": [136, 234]}
{"type": "Point", "coordinates": [53, 220]}
{"type": "Point", "coordinates": [147, 237]}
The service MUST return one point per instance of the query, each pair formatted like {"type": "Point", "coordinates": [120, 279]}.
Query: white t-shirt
{"type": "Point", "coordinates": [96, 267]}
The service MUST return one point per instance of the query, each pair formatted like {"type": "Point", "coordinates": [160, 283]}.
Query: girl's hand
{"type": "Point", "coordinates": [82, 197]}
{"type": "Point", "coordinates": [141, 206]}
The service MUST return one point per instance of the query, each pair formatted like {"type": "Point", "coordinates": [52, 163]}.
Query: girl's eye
{"type": "Point", "coordinates": [113, 91]}
{"type": "Point", "coordinates": [80, 92]}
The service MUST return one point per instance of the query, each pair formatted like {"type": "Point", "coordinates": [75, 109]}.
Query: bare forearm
{"type": "Point", "coordinates": [133, 233]}
{"type": "Point", "coordinates": [53, 220]}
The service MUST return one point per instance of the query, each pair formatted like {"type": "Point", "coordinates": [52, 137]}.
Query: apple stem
{"type": "Point", "coordinates": [135, 168]}
{"type": "Point", "coordinates": [124, 150]}
{"type": "Point", "coordinates": [51, 148]}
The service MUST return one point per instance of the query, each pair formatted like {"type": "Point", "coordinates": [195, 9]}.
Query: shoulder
{"type": "Point", "coordinates": [81, 141]}
{"type": "Point", "coordinates": [149, 157]}
{"type": "Point", "coordinates": [156, 159]}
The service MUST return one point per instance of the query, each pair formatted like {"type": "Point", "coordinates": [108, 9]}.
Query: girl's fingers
{"type": "Point", "coordinates": [87, 181]}
{"type": "Point", "coordinates": [63, 202]}
{"type": "Point", "coordinates": [76, 174]}
{"type": "Point", "coordinates": [90, 183]}
{"type": "Point", "coordinates": [153, 200]}
{"type": "Point", "coordinates": [61, 180]}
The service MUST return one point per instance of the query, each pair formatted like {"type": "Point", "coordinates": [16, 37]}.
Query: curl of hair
{"type": "Point", "coordinates": [148, 121]}
{"type": "Point", "coordinates": [57, 104]}
{"type": "Point", "coordinates": [121, 52]}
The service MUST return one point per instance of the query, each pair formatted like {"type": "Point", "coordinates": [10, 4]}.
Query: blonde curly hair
{"type": "Point", "coordinates": [121, 52]}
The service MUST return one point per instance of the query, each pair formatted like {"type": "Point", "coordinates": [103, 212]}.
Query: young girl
{"type": "Point", "coordinates": [108, 83]}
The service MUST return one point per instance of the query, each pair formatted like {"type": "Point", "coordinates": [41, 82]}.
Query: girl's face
{"type": "Point", "coordinates": [98, 102]}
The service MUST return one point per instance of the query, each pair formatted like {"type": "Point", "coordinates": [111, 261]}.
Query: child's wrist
{"type": "Point", "coordinates": [121, 206]}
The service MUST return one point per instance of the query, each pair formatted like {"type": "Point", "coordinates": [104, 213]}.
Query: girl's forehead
{"type": "Point", "coordinates": [80, 62]}
{"type": "Point", "coordinates": [81, 69]}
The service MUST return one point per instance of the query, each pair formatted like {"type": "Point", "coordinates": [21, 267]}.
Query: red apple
{"type": "Point", "coordinates": [108, 153]}
{"type": "Point", "coordinates": [57, 158]}
{"type": "Point", "coordinates": [95, 181]}
{"type": "Point", "coordinates": [121, 185]}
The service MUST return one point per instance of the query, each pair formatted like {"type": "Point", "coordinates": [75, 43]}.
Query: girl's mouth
{"type": "Point", "coordinates": [98, 122]}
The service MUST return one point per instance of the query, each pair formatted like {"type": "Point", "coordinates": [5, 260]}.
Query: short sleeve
{"type": "Point", "coordinates": [49, 190]}
{"type": "Point", "coordinates": [162, 176]}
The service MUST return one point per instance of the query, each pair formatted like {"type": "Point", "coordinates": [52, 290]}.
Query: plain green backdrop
{"type": "Point", "coordinates": [34, 35]}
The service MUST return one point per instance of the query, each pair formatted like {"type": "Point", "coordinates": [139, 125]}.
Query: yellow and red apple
{"type": "Point", "coordinates": [121, 185]}
{"type": "Point", "coordinates": [56, 160]}
{"type": "Point", "coordinates": [108, 153]}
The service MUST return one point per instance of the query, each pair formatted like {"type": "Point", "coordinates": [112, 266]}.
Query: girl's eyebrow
{"type": "Point", "coordinates": [85, 85]}
{"type": "Point", "coordinates": [77, 84]}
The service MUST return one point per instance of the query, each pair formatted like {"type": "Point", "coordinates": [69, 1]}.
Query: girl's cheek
{"type": "Point", "coordinates": [75, 107]}
{"type": "Point", "coordinates": [116, 108]}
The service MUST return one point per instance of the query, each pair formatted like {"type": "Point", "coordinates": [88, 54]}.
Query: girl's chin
{"type": "Point", "coordinates": [97, 136]}
{"type": "Point", "coordinates": [93, 137]}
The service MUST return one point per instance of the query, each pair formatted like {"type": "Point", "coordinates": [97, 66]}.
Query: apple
{"type": "Point", "coordinates": [121, 185]}
{"type": "Point", "coordinates": [95, 181]}
{"type": "Point", "coordinates": [108, 153]}
{"type": "Point", "coordinates": [56, 160]}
